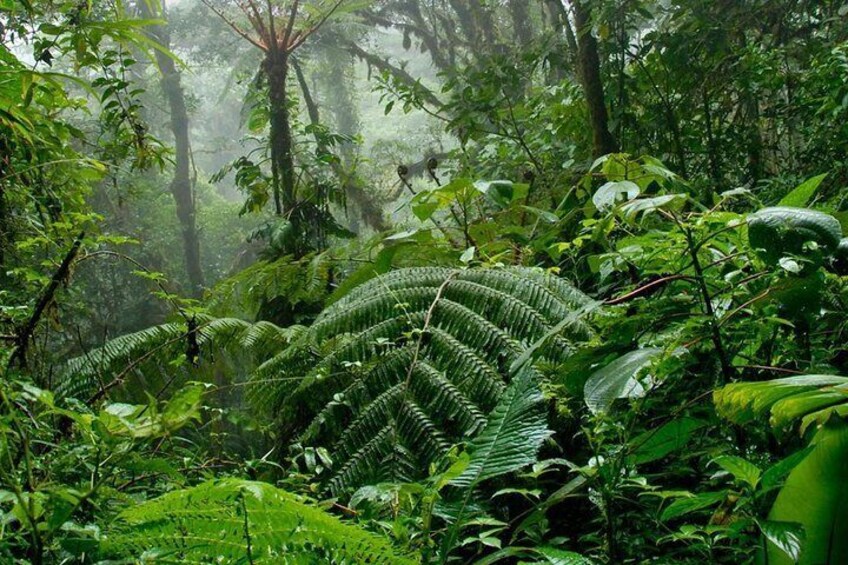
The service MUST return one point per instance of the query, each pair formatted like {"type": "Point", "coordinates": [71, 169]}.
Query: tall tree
{"type": "Point", "coordinates": [181, 186]}
{"type": "Point", "coordinates": [589, 71]}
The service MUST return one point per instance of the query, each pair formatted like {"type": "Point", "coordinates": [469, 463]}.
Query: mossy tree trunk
{"type": "Point", "coordinates": [276, 68]}
{"type": "Point", "coordinates": [182, 187]}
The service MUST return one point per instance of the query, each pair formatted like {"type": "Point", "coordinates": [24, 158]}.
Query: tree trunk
{"type": "Point", "coordinates": [519, 10]}
{"type": "Point", "coordinates": [750, 107]}
{"type": "Point", "coordinates": [336, 77]}
{"type": "Point", "coordinates": [589, 70]}
{"type": "Point", "coordinates": [753, 137]}
{"type": "Point", "coordinates": [282, 159]}
{"type": "Point", "coordinates": [181, 185]}
{"type": "Point", "coordinates": [558, 59]}
{"type": "Point", "coordinates": [5, 236]}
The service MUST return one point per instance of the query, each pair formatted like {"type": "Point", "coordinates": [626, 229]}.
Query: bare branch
{"type": "Point", "coordinates": [256, 19]}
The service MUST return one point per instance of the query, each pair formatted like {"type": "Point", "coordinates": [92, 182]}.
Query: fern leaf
{"type": "Point", "coordinates": [155, 347]}
{"type": "Point", "coordinates": [513, 434]}
{"type": "Point", "coordinates": [413, 361]}
{"type": "Point", "coordinates": [510, 440]}
{"type": "Point", "coordinates": [235, 521]}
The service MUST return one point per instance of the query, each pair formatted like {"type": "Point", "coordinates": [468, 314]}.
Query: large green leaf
{"type": "Point", "coordinates": [618, 379]}
{"type": "Point", "coordinates": [608, 194]}
{"type": "Point", "coordinates": [554, 556]}
{"type": "Point", "coordinates": [664, 440]}
{"type": "Point", "coordinates": [514, 431]}
{"type": "Point", "coordinates": [788, 537]}
{"type": "Point", "coordinates": [810, 398]}
{"type": "Point", "coordinates": [816, 496]}
{"type": "Point", "coordinates": [800, 195]}
{"type": "Point", "coordinates": [741, 469]}
{"type": "Point", "coordinates": [694, 503]}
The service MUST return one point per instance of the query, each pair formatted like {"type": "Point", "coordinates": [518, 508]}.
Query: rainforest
{"type": "Point", "coordinates": [552, 282]}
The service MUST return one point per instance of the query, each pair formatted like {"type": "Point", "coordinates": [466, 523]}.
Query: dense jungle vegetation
{"type": "Point", "coordinates": [424, 281]}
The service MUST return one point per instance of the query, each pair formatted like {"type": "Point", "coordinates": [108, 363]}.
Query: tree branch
{"type": "Point", "coordinates": [289, 25]}
{"type": "Point", "coordinates": [397, 72]}
{"type": "Point", "coordinates": [19, 354]}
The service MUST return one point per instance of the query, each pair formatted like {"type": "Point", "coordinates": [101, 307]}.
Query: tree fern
{"type": "Point", "coordinates": [408, 364]}
{"type": "Point", "coordinates": [237, 521]}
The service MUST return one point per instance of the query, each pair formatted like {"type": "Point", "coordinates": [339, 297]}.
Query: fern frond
{"type": "Point", "coordinates": [475, 376]}
{"type": "Point", "coordinates": [383, 459]}
{"type": "Point", "coordinates": [457, 414]}
{"type": "Point", "coordinates": [370, 421]}
{"type": "Point", "coordinates": [413, 361]}
{"type": "Point", "coordinates": [361, 315]}
{"type": "Point", "coordinates": [277, 377]}
{"type": "Point", "coordinates": [264, 335]}
{"type": "Point", "coordinates": [396, 280]}
{"type": "Point", "coordinates": [236, 521]}
{"type": "Point", "coordinates": [510, 440]}
{"type": "Point", "coordinates": [155, 347]}
{"type": "Point", "coordinates": [82, 375]}
{"type": "Point", "coordinates": [300, 281]}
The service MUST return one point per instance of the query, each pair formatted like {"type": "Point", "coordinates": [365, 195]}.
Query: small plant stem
{"type": "Point", "coordinates": [715, 333]}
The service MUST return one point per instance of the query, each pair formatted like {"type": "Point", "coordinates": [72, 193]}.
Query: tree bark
{"type": "Point", "coordinates": [589, 71]}
{"type": "Point", "coordinates": [276, 68]}
{"type": "Point", "coordinates": [712, 148]}
{"type": "Point", "coordinates": [558, 59]}
{"type": "Point", "coordinates": [181, 186]}
{"type": "Point", "coordinates": [521, 25]}
{"type": "Point", "coordinates": [5, 236]}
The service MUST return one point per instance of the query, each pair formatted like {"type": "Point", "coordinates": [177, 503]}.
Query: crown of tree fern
{"type": "Point", "coordinates": [412, 362]}
{"type": "Point", "coordinates": [236, 521]}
